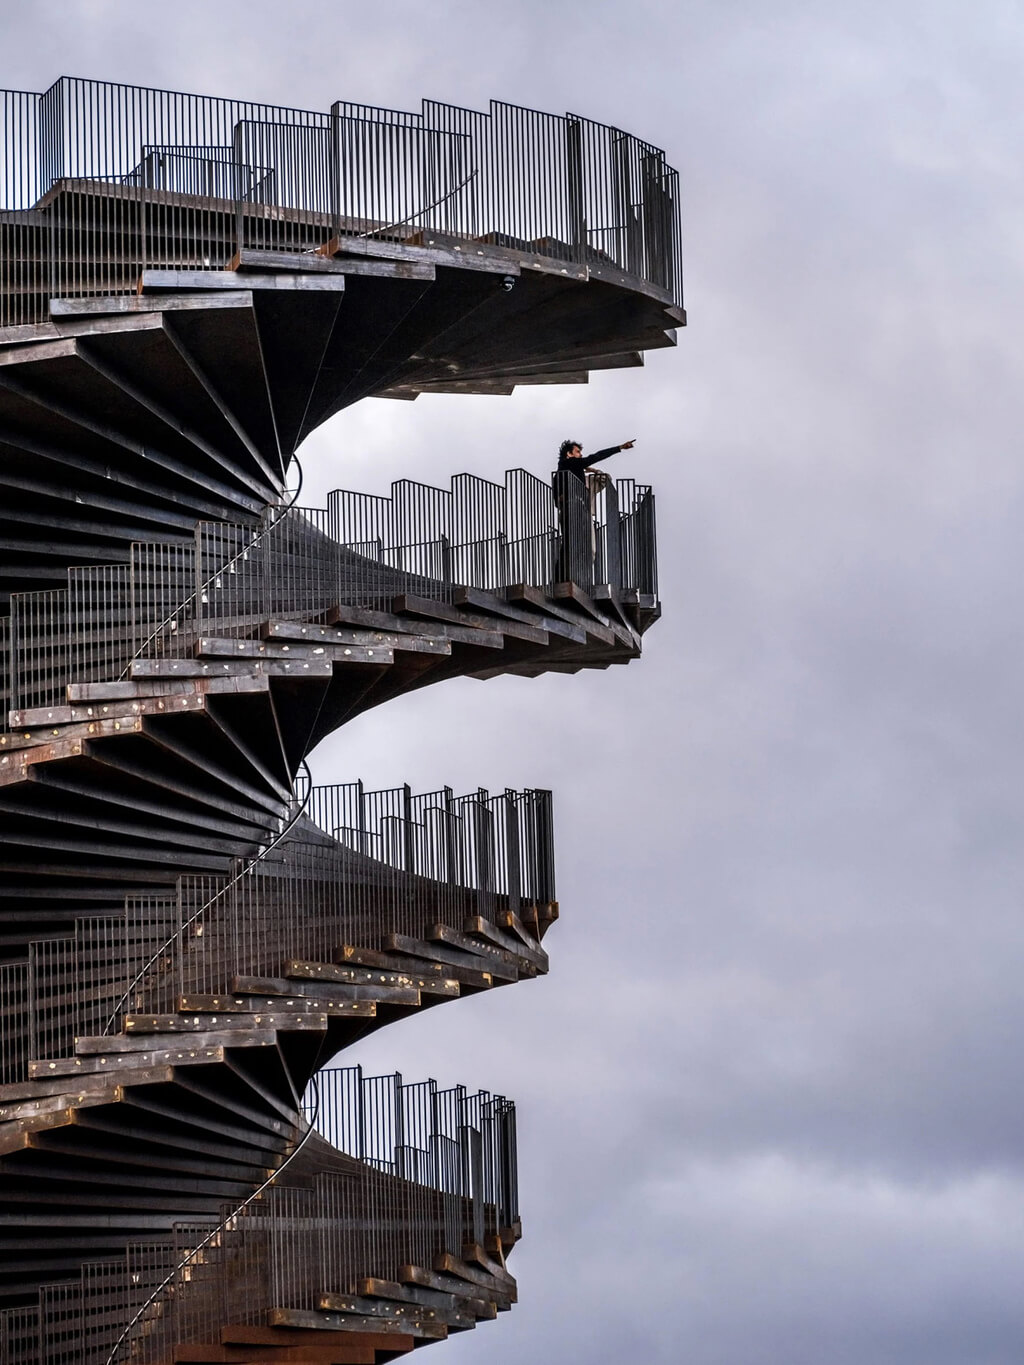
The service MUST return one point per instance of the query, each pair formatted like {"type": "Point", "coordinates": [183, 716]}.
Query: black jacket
{"type": "Point", "coordinates": [582, 463]}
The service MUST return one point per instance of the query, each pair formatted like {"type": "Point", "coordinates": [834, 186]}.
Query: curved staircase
{"type": "Point", "coordinates": [188, 931]}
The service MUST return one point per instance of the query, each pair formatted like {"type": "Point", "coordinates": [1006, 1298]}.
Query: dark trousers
{"type": "Point", "coordinates": [575, 560]}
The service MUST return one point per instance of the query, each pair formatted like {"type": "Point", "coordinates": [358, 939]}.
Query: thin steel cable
{"type": "Point", "coordinates": [260, 535]}
{"type": "Point", "coordinates": [244, 872]}
{"type": "Point", "coordinates": [419, 212]}
{"type": "Point", "coordinates": [191, 1255]}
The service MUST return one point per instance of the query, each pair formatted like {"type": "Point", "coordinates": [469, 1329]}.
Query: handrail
{"type": "Point", "coordinates": [377, 1121]}
{"type": "Point", "coordinates": [191, 1255]}
{"type": "Point", "coordinates": [196, 594]}
{"type": "Point", "coordinates": [221, 891]}
{"type": "Point", "coordinates": [401, 222]}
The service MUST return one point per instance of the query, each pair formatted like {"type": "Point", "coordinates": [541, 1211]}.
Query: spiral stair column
{"type": "Point", "coordinates": [189, 930]}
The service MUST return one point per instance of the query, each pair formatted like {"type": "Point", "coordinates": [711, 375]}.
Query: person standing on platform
{"type": "Point", "coordinates": [575, 562]}
{"type": "Point", "coordinates": [571, 458]}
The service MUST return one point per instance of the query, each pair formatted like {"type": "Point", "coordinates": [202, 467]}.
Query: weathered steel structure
{"type": "Point", "coordinates": [189, 930]}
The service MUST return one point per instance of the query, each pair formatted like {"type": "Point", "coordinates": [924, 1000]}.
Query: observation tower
{"type": "Point", "coordinates": [190, 931]}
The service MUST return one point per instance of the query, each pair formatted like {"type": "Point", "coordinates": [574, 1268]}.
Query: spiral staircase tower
{"type": "Point", "coordinates": [189, 931]}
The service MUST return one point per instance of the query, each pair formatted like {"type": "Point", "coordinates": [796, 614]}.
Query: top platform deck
{"type": "Point", "coordinates": [103, 181]}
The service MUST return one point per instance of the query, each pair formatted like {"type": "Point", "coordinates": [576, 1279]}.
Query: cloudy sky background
{"type": "Point", "coordinates": [770, 1101]}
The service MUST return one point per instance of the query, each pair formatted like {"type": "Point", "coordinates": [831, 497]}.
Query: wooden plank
{"type": "Point", "coordinates": [468, 978]}
{"type": "Point", "coordinates": [478, 927]}
{"type": "Point", "coordinates": [455, 1318]}
{"type": "Point", "coordinates": [466, 635]}
{"type": "Point", "coordinates": [470, 257]}
{"type": "Point", "coordinates": [287, 1334]}
{"type": "Point", "coordinates": [136, 1024]}
{"type": "Point", "coordinates": [452, 938]}
{"type": "Point", "coordinates": [118, 1044]}
{"type": "Point", "coordinates": [230, 280]}
{"type": "Point", "coordinates": [350, 654]}
{"type": "Point", "coordinates": [336, 973]}
{"type": "Point", "coordinates": [61, 349]}
{"type": "Point", "coordinates": [136, 303]}
{"type": "Point", "coordinates": [251, 1004]}
{"type": "Point", "coordinates": [452, 1284]}
{"type": "Point", "coordinates": [102, 1064]}
{"type": "Point", "coordinates": [409, 605]}
{"type": "Point", "coordinates": [339, 991]}
{"type": "Point", "coordinates": [438, 951]}
{"type": "Point", "coordinates": [498, 606]}
{"type": "Point", "coordinates": [101, 720]}
{"type": "Point", "coordinates": [342, 1354]}
{"type": "Point", "coordinates": [501, 1283]}
{"type": "Point", "coordinates": [372, 957]}
{"type": "Point", "coordinates": [416, 1294]}
{"type": "Point", "coordinates": [379, 1333]}
{"type": "Point", "coordinates": [474, 1254]}
{"type": "Point", "coordinates": [508, 919]}
{"type": "Point", "coordinates": [316, 263]}
{"type": "Point", "coordinates": [28, 332]}
{"type": "Point", "coordinates": [336, 637]}
{"type": "Point", "coordinates": [255, 258]}
{"type": "Point", "coordinates": [80, 1084]}
{"type": "Point", "coordinates": [46, 1106]}
{"type": "Point", "coordinates": [251, 680]}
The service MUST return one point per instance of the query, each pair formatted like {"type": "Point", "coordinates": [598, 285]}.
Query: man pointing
{"type": "Point", "coordinates": [572, 458]}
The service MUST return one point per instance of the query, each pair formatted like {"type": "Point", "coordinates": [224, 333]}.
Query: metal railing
{"type": "Point", "coordinates": [358, 867]}
{"type": "Point", "coordinates": [361, 550]}
{"type": "Point", "coordinates": [413, 1171]}
{"type": "Point", "coordinates": [102, 180]}
{"type": "Point", "coordinates": [445, 1139]}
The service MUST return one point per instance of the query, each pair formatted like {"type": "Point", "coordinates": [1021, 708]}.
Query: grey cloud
{"type": "Point", "coordinates": [769, 1096]}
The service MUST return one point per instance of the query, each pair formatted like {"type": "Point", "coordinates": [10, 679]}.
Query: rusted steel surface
{"type": "Point", "coordinates": [189, 931]}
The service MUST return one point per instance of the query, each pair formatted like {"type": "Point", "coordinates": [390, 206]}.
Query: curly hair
{"type": "Point", "coordinates": [565, 447]}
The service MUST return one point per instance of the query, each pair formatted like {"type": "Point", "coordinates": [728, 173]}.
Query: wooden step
{"type": "Point", "coordinates": [406, 604]}
{"type": "Point", "coordinates": [468, 978]}
{"type": "Point", "coordinates": [518, 946]}
{"type": "Point", "coordinates": [211, 1024]}
{"type": "Point", "coordinates": [494, 1264]}
{"type": "Point", "coordinates": [331, 993]}
{"type": "Point", "coordinates": [327, 972]}
{"type": "Point", "coordinates": [259, 1003]}
{"type": "Point", "coordinates": [398, 1313]}
{"type": "Point", "coordinates": [501, 1297]}
{"type": "Point", "coordinates": [481, 947]}
{"type": "Point", "coordinates": [376, 1332]}
{"type": "Point", "coordinates": [436, 951]}
{"type": "Point", "coordinates": [103, 1062]}
{"type": "Point", "coordinates": [339, 637]}
{"type": "Point", "coordinates": [479, 1307]}
{"type": "Point", "coordinates": [120, 1044]}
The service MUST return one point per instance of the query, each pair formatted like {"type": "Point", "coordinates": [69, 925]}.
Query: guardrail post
{"type": "Point", "coordinates": [334, 173]}
{"type": "Point", "coordinates": [612, 537]}
{"type": "Point", "coordinates": [408, 846]}
{"type": "Point", "coordinates": [513, 852]}
{"type": "Point", "coordinates": [574, 173]}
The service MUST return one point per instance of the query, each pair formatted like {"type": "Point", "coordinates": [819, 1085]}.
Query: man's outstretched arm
{"type": "Point", "coordinates": [587, 460]}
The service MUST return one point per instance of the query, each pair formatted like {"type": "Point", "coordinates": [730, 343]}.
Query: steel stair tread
{"type": "Point", "coordinates": [452, 1315]}
{"type": "Point", "coordinates": [391, 1291]}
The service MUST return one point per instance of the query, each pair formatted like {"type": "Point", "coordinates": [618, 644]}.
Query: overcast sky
{"type": "Point", "coordinates": [770, 1101]}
